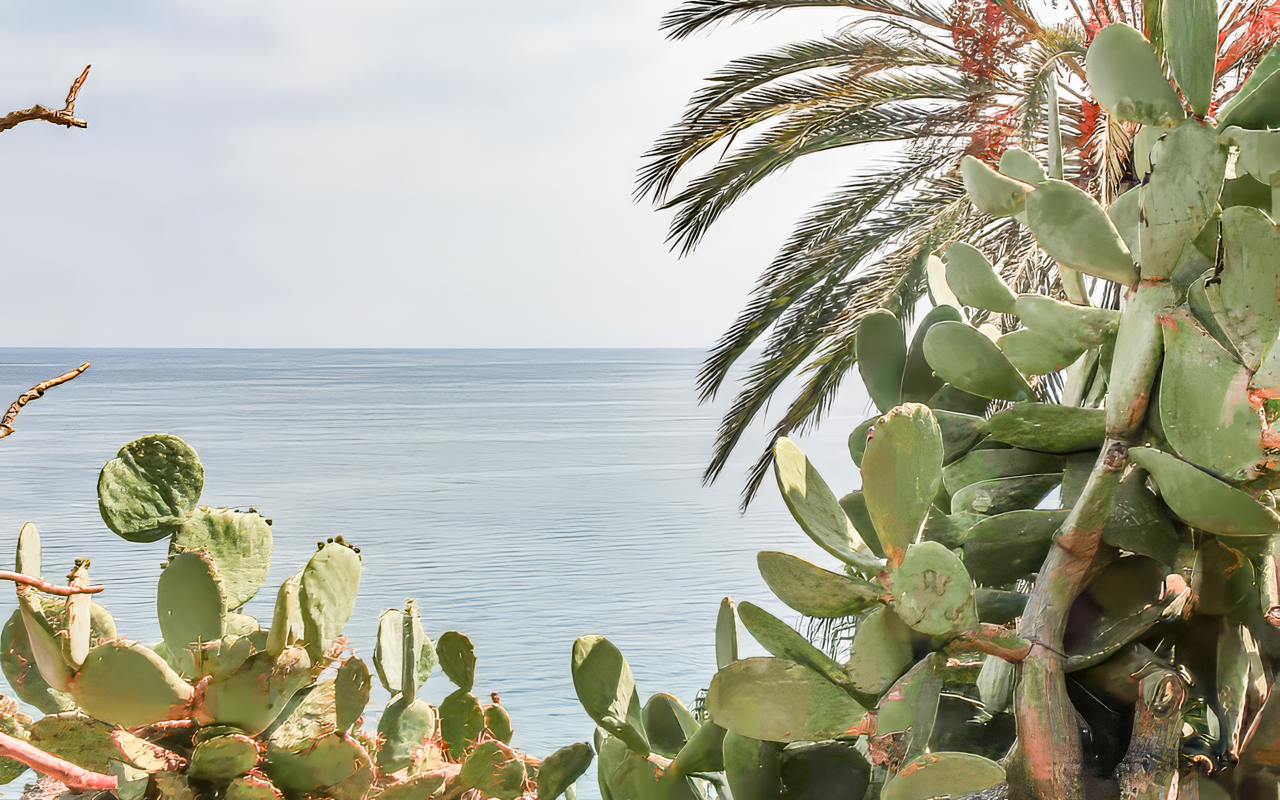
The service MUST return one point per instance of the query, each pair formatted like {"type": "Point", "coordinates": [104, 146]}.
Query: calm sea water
{"type": "Point", "coordinates": [523, 497]}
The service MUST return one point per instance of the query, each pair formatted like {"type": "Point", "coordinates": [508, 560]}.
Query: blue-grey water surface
{"type": "Point", "coordinates": [524, 497]}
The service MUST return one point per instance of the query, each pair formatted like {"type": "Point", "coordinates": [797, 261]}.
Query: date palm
{"type": "Point", "coordinates": [973, 78]}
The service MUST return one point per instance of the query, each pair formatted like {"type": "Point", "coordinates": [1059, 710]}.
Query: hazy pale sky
{"type": "Point", "coordinates": [370, 173]}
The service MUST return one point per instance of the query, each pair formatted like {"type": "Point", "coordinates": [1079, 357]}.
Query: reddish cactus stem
{"type": "Point", "coordinates": [77, 779]}
{"type": "Point", "coordinates": [46, 587]}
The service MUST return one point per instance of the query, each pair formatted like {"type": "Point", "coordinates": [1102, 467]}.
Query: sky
{"type": "Point", "coordinates": [369, 173]}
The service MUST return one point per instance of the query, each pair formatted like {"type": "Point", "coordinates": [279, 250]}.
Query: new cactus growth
{"type": "Point", "coordinates": [222, 708]}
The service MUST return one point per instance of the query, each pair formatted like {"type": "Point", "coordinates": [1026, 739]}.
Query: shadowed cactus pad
{"type": "Point", "coordinates": [607, 690]}
{"type": "Point", "coordinates": [150, 488]}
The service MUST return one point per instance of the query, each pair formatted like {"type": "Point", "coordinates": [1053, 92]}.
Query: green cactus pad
{"type": "Point", "coordinates": [999, 607]}
{"type": "Point", "coordinates": [1021, 166]}
{"type": "Point", "coordinates": [1081, 327]}
{"type": "Point", "coordinates": [1138, 523]}
{"type": "Point", "coordinates": [72, 736]}
{"type": "Point", "coordinates": [1126, 78]}
{"type": "Point", "coordinates": [1072, 228]}
{"type": "Point", "coordinates": [974, 281]}
{"type": "Point", "coordinates": [404, 726]}
{"type": "Point", "coordinates": [498, 723]}
{"type": "Point", "coordinates": [46, 651]}
{"type": "Point", "coordinates": [854, 505]}
{"type": "Point", "coordinates": [389, 649]}
{"type": "Point", "coordinates": [936, 280]}
{"type": "Point", "coordinates": [126, 684]}
{"type": "Point", "coordinates": [953, 398]}
{"type": "Point", "coordinates": [1254, 105]}
{"type": "Point", "coordinates": [495, 771]}
{"type": "Point", "coordinates": [982, 465]}
{"type": "Point", "coordinates": [1125, 212]}
{"type": "Point", "coordinates": [1251, 271]}
{"type": "Point", "coordinates": [968, 360]}
{"type": "Point", "coordinates": [1136, 356]}
{"type": "Point", "coordinates": [1205, 408]}
{"type": "Point", "coordinates": [991, 192]}
{"type": "Point", "coordinates": [27, 558]}
{"type": "Point", "coordinates": [327, 594]}
{"type": "Point", "coordinates": [462, 721]}
{"type": "Point", "coordinates": [223, 658]}
{"type": "Point", "coordinates": [814, 591]}
{"type": "Point", "coordinates": [418, 787]}
{"type": "Point", "coordinates": [253, 696]}
{"type": "Point", "coordinates": [607, 690]}
{"type": "Point", "coordinates": [334, 766]}
{"type": "Point", "coordinates": [919, 383]}
{"type": "Point", "coordinates": [1203, 501]}
{"type": "Point", "coordinates": [948, 529]}
{"type": "Point", "coordinates": [1004, 494]}
{"type": "Point", "coordinates": [1204, 299]}
{"type": "Point", "coordinates": [881, 652]}
{"type": "Point", "coordinates": [704, 751]}
{"type": "Point", "coordinates": [24, 676]}
{"type": "Point", "coordinates": [251, 787]}
{"type": "Point", "coordinates": [936, 774]}
{"type": "Point", "coordinates": [239, 543]}
{"type": "Point", "coordinates": [234, 624]}
{"type": "Point", "coordinates": [726, 634]}
{"type": "Point", "coordinates": [1009, 546]}
{"type": "Point", "coordinates": [1191, 45]}
{"type": "Point", "coordinates": [457, 659]}
{"type": "Point", "coordinates": [1049, 427]}
{"type": "Point", "coordinates": [1259, 162]}
{"type": "Point", "coordinates": [995, 684]}
{"type": "Point", "coordinates": [1180, 194]}
{"type": "Point", "coordinates": [960, 432]}
{"type": "Point", "coordinates": [753, 768]}
{"type": "Point", "coordinates": [667, 723]}
{"type": "Point", "coordinates": [910, 708]}
{"type": "Point", "coordinates": [815, 508]}
{"type": "Point", "coordinates": [351, 692]}
{"type": "Point", "coordinates": [858, 439]}
{"type": "Point", "coordinates": [173, 786]}
{"type": "Point", "coordinates": [882, 357]}
{"type": "Point", "coordinates": [824, 770]}
{"type": "Point", "coordinates": [901, 475]}
{"type": "Point", "coordinates": [624, 775]}
{"type": "Point", "coordinates": [286, 622]}
{"type": "Point", "coordinates": [223, 758]}
{"type": "Point", "coordinates": [147, 491]}
{"type": "Point", "coordinates": [560, 769]}
{"type": "Point", "coordinates": [1035, 353]}
{"type": "Point", "coordinates": [934, 592]}
{"type": "Point", "coordinates": [77, 625]}
{"type": "Point", "coordinates": [781, 640]}
{"type": "Point", "coordinates": [1245, 190]}
{"type": "Point", "coordinates": [773, 699]}
{"type": "Point", "coordinates": [190, 604]}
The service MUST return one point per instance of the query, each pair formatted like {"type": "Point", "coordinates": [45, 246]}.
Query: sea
{"type": "Point", "coordinates": [522, 497]}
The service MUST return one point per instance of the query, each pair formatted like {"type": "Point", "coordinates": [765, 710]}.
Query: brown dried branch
{"type": "Point", "coordinates": [48, 588]}
{"type": "Point", "coordinates": [66, 116]}
{"type": "Point", "coordinates": [6, 424]}
{"type": "Point", "coordinates": [77, 779]}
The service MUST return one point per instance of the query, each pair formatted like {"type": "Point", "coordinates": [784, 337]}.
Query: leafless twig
{"type": "Point", "coordinates": [65, 117]}
{"type": "Point", "coordinates": [74, 778]}
{"type": "Point", "coordinates": [6, 424]}
{"type": "Point", "coordinates": [47, 588]}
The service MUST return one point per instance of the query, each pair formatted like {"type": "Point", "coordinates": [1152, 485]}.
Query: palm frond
{"type": "Point", "coordinates": [694, 15]}
{"type": "Point", "coordinates": [739, 99]}
{"type": "Point", "coordinates": [827, 318]}
{"type": "Point", "coordinates": [805, 259]}
{"type": "Point", "coordinates": [813, 130]}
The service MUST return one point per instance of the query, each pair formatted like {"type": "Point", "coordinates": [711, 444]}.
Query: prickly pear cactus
{"type": "Point", "coordinates": [221, 707]}
{"type": "Point", "coordinates": [1059, 577]}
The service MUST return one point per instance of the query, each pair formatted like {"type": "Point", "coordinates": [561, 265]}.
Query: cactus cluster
{"type": "Point", "coordinates": [222, 707]}
{"type": "Point", "coordinates": [1049, 595]}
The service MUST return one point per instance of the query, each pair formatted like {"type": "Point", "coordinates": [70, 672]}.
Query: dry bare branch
{"type": "Point", "coordinates": [45, 586]}
{"type": "Point", "coordinates": [37, 391]}
{"type": "Point", "coordinates": [66, 116]}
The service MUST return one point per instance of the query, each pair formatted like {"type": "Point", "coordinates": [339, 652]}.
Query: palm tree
{"type": "Point", "coordinates": [974, 78]}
